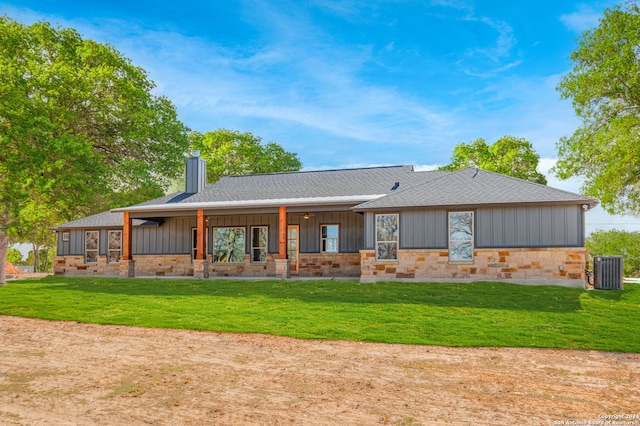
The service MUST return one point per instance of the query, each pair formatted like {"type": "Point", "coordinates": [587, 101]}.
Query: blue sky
{"type": "Point", "coordinates": [353, 83]}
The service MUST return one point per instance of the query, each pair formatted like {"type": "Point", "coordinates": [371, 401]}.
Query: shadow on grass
{"type": "Point", "coordinates": [484, 295]}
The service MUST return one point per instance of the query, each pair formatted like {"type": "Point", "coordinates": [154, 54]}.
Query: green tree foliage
{"type": "Point", "coordinates": [14, 256]}
{"type": "Point", "coordinates": [604, 87]}
{"type": "Point", "coordinates": [617, 243]}
{"type": "Point", "coordinates": [231, 153]}
{"type": "Point", "coordinates": [509, 156]}
{"type": "Point", "coordinates": [78, 124]}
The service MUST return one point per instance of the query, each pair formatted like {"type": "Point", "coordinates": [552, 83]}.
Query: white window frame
{"type": "Point", "coordinates": [87, 250]}
{"type": "Point", "coordinates": [395, 242]}
{"type": "Point", "coordinates": [256, 247]}
{"type": "Point", "coordinates": [114, 250]}
{"type": "Point", "coordinates": [244, 237]}
{"type": "Point", "coordinates": [194, 242]}
{"type": "Point", "coordinates": [65, 236]}
{"type": "Point", "coordinates": [324, 239]}
{"type": "Point", "coordinates": [454, 241]}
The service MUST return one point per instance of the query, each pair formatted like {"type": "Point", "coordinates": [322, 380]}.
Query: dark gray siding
{"type": "Point", "coordinates": [495, 227]}
{"type": "Point", "coordinates": [534, 226]}
{"type": "Point", "coordinates": [171, 237]}
{"type": "Point", "coordinates": [350, 234]}
{"type": "Point", "coordinates": [420, 229]}
{"type": "Point", "coordinates": [73, 247]}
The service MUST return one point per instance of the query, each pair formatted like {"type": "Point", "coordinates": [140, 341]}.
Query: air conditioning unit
{"type": "Point", "coordinates": [608, 272]}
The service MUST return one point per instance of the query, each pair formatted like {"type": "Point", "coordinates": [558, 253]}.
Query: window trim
{"type": "Point", "coordinates": [96, 250]}
{"type": "Point", "coordinates": [254, 247]}
{"type": "Point", "coordinates": [65, 236]}
{"type": "Point", "coordinates": [194, 246]}
{"type": "Point", "coordinates": [244, 249]}
{"type": "Point", "coordinates": [109, 249]}
{"type": "Point", "coordinates": [396, 242]}
{"type": "Point", "coordinates": [471, 240]}
{"type": "Point", "coordinates": [323, 239]}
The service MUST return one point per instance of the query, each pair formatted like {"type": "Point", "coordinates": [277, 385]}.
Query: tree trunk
{"type": "Point", "coordinates": [4, 249]}
{"type": "Point", "coordinates": [45, 267]}
{"type": "Point", "coordinates": [36, 258]}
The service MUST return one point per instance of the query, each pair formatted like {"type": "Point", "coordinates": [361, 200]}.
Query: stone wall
{"type": "Point", "coordinates": [245, 269]}
{"type": "Point", "coordinates": [329, 265]}
{"type": "Point", "coordinates": [74, 265]}
{"type": "Point", "coordinates": [539, 265]}
{"type": "Point", "coordinates": [310, 265]}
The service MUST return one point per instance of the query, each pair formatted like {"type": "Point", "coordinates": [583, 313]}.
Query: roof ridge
{"type": "Point", "coordinates": [399, 166]}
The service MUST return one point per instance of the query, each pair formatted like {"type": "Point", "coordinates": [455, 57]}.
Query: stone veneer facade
{"type": "Point", "coordinates": [309, 265]}
{"type": "Point", "coordinates": [564, 266]}
{"type": "Point", "coordinates": [552, 265]}
{"type": "Point", "coordinates": [74, 265]}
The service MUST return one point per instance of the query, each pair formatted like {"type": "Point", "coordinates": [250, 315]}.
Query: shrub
{"type": "Point", "coordinates": [617, 243]}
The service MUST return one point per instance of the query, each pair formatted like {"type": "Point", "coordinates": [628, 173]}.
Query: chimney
{"type": "Point", "coordinates": [196, 173]}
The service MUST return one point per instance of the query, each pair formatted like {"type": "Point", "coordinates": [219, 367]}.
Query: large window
{"type": "Point", "coordinates": [228, 245]}
{"type": "Point", "coordinates": [329, 238]}
{"type": "Point", "coordinates": [387, 236]}
{"type": "Point", "coordinates": [460, 236]}
{"type": "Point", "coordinates": [91, 239]}
{"type": "Point", "coordinates": [259, 244]}
{"type": "Point", "coordinates": [115, 246]}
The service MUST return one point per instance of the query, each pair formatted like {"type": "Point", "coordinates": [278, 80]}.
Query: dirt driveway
{"type": "Point", "coordinates": [64, 373]}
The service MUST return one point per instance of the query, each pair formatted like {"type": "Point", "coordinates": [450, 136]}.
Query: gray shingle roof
{"type": "Point", "coordinates": [100, 220]}
{"type": "Point", "coordinates": [416, 189]}
{"type": "Point", "coordinates": [469, 187]}
{"type": "Point", "coordinates": [320, 183]}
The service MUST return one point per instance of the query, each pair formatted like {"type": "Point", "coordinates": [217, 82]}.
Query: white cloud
{"type": "Point", "coordinates": [581, 20]}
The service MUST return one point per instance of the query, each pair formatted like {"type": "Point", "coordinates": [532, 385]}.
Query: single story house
{"type": "Point", "coordinates": [379, 223]}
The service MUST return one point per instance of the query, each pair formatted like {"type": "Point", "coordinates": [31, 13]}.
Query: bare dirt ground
{"type": "Point", "coordinates": [65, 373]}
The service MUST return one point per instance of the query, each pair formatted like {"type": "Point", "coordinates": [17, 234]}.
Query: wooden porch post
{"type": "Point", "coordinates": [200, 263]}
{"type": "Point", "coordinates": [126, 237]}
{"type": "Point", "coordinates": [282, 263]}
{"type": "Point", "coordinates": [282, 253]}
{"type": "Point", "coordinates": [200, 248]}
{"type": "Point", "coordinates": [127, 264]}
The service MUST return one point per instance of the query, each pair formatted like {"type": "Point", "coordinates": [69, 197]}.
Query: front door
{"type": "Point", "coordinates": [292, 248]}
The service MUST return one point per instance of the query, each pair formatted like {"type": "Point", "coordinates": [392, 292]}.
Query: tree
{"type": "Point", "coordinates": [14, 256]}
{"type": "Point", "coordinates": [78, 125]}
{"type": "Point", "coordinates": [617, 243]}
{"type": "Point", "coordinates": [231, 153]}
{"type": "Point", "coordinates": [508, 155]}
{"type": "Point", "coordinates": [604, 87]}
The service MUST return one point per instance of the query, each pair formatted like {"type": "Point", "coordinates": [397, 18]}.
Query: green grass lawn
{"type": "Point", "coordinates": [476, 314]}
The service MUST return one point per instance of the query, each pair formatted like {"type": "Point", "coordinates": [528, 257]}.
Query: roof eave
{"type": "Point", "coordinates": [589, 203]}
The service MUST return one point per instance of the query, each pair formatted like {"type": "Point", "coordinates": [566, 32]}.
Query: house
{"type": "Point", "coordinates": [379, 223]}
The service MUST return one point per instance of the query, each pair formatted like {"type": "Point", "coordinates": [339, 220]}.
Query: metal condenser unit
{"type": "Point", "coordinates": [608, 272]}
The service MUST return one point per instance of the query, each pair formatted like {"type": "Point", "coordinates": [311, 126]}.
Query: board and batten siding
{"type": "Point", "coordinates": [173, 236]}
{"type": "Point", "coordinates": [532, 226]}
{"type": "Point", "coordinates": [494, 227]}
{"type": "Point", "coordinates": [75, 245]}
{"type": "Point", "coordinates": [350, 233]}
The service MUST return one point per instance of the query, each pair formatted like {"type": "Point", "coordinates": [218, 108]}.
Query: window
{"type": "Point", "coordinates": [387, 237]}
{"type": "Point", "coordinates": [115, 246]}
{"type": "Point", "coordinates": [228, 245]}
{"type": "Point", "coordinates": [65, 236]}
{"type": "Point", "coordinates": [91, 246]}
{"type": "Point", "coordinates": [460, 236]}
{"type": "Point", "coordinates": [259, 244]}
{"type": "Point", "coordinates": [194, 242]}
{"type": "Point", "coordinates": [329, 238]}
